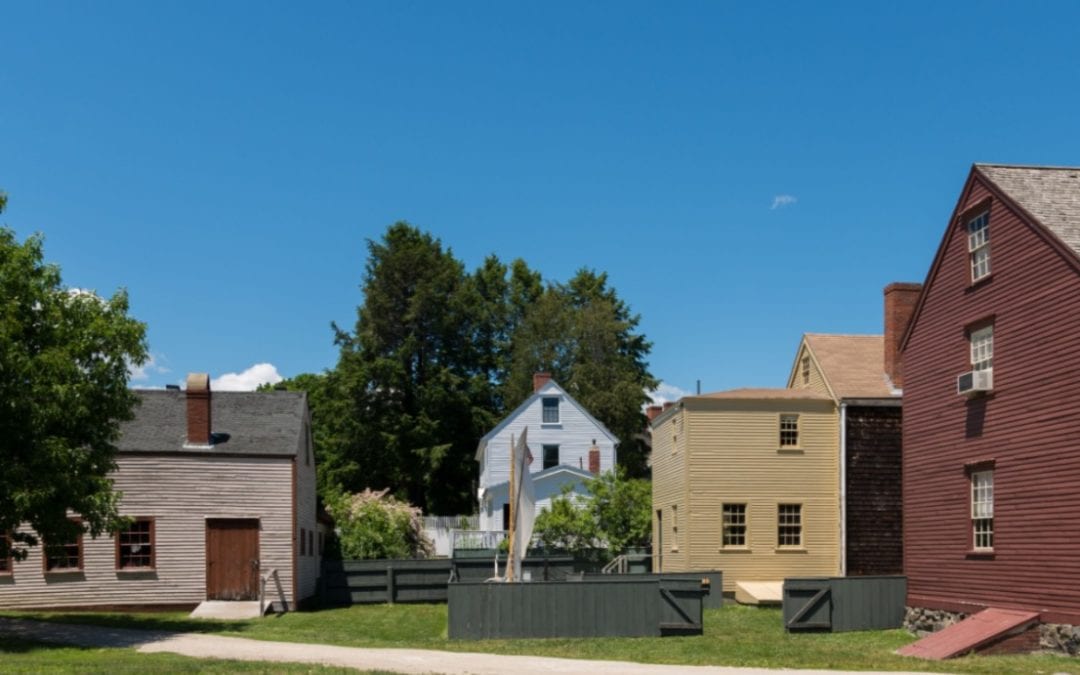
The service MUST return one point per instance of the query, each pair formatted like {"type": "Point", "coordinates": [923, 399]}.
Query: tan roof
{"type": "Point", "coordinates": [764, 394]}
{"type": "Point", "coordinates": [853, 365]}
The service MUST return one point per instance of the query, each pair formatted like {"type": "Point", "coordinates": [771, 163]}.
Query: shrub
{"type": "Point", "coordinates": [373, 525]}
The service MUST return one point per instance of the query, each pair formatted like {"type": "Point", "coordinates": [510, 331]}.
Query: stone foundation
{"type": "Point", "coordinates": [922, 621]}
{"type": "Point", "coordinates": [1060, 637]}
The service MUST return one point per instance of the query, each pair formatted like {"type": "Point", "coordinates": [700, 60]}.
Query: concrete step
{"type": "Point", "coordinates": [226, 609]}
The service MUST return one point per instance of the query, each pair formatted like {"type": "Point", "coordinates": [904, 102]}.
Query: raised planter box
{"type": "Point", "coordinates": [616, 606]}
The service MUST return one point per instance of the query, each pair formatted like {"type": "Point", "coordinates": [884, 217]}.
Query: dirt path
{"type": "Point", "coordinates": [411, 661]}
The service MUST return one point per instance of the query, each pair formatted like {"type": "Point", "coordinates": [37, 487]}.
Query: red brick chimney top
{"type": "Point", "coordinates": [900, 301]}
{"type": "Point", "coordinates": [653, 411]}
{"type": "Point", "coordinates": [539, 380]}
{"type": "Point", "coordinates": [198, 409]}
{"type": "Point", "coordinates": [594, 459]}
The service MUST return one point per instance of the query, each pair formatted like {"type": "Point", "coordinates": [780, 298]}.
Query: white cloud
{"type": "Point", "coordinates": [143, 372]}
{"type": "Point", "coordinates": [249, 380]}
{"type": "Point", "coordinates": [665, 393]}
{"type": "Point", "coordinates": [780, 201]}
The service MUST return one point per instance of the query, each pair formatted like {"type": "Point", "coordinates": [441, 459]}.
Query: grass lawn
{"type": "Point", "coordinates": [734, 636]}
{"type": "Point", "coordinates": [20, 656]}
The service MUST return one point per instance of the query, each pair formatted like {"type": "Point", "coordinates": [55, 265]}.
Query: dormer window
{"type": "Point", "coordinates": [978, 232]}
{"type": "Point", "coordinates": [551, 410]}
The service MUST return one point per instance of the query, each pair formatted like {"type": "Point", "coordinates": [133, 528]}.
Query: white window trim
{"type": "Point", "coordinates": [558, 410]}
{"type": "Point", "coordinates": [780, 438]}
{"type": "Point", "coordinates": [978, 236]}
{"type": "Point", "coordinates": [981, 342]}
{"type": "Point", "coordinates": [982, 508]}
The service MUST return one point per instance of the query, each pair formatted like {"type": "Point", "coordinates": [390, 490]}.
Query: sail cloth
{"type": "Point", "coordinates": [525, 501]}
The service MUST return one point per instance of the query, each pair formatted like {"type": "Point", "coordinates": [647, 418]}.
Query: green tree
{"type": "Point", "coordinates": [617, 515]}
{"type": "Point", "coordinates": [64, 359]}
{"type": "Point", "coordinates": [586, 336]}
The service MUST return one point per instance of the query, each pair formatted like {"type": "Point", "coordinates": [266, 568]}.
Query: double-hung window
{"type": "Point", "coordinates": [135, 546]}
{"type": "Point", "coordinates": [789, 525]}
{"type": "Point", "coordinates": [789, 431]}
{"type": "Point", "coordinates": [734, 525]}
{"type": "Point", "coordinates": [551, 456]}
{"type": "Point", "coordinates": [982, 348]}
{"type": "Point", "coordinates": [66, 557]}
{"type": "Point", "coordinates": [551, 410]}
{"type": "Point", "coordinates": [982, 510]}
{"type": "Point", "coordinates": [806, 370]}
{"type": "Point", "coordinates": [978, 235]}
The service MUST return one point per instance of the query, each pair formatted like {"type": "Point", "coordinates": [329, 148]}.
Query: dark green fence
{"type": "Point", "coordinates": [714, 587]}
{"type": "Point", "coordinates": [377, 581]}
{"type": "Point", "coordinates": [614, 606]}
{"type": "Point", "coordinates": [837, 604]}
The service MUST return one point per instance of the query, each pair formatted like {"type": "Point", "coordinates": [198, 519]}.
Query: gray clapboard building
{"type": "Point", "coordinates": [221, 488]}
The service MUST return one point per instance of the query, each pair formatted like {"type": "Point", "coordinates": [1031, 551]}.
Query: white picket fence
{"type": "Point", "coordinates": [440, 530]}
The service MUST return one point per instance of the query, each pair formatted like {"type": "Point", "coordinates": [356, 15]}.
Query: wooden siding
{"type": "Point", "coordinates": [1028, 426]}
{"type": "Point", "coordinates": [817, 380]}
{"type": "Point", "coordinates": [668, 488]}
{"type": "Point", "coordinates": [308, 566]}
{"type": "Point", "coordinates": [733, 456]}
{"type": "Point", "coordinates": [874, 514]}
{"type": "Point", "coordinates": [180, 492]}
{"type": "Point", "coordinates": [573, 434]}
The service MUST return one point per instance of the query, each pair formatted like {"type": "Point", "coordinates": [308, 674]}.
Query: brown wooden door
{"type": "Point", "coordinates": [232, 559]}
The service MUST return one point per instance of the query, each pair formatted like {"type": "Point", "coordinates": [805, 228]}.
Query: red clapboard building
{"type": "Point", "coordinates": [991, 426]}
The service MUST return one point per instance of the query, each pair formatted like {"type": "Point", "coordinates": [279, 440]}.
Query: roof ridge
{"type": "Point", "coordinates": [1048, 167]}
{"type": "Point", "coordinates": [845, 334]}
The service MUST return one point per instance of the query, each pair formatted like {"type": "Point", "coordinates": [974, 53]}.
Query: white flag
{"type": "Point", "coordinates": [525, 508]}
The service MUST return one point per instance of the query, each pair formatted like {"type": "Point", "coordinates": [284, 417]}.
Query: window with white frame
{"type": "Point", "coordinates": [978, 233]}
{"type": "Point", "coordinates": [789, 431]}
{"type": "Point", "coordinates": [674, 527]}
{"type": "Point", "coordinates": [789, 525]}
{"type": "Point", "coordinates": [551, 410]}
{"type": "Point", "coordinates": [734, 525]}
{"type": "Point", "coordinates": [982, 348]}
{"type": "Point", "coordinates": [982, 510]}
{"type": "Point", "coordinates": [806, 370]}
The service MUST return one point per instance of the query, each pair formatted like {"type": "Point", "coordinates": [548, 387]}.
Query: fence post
{"type": "Point", "coordinates": [390, 591]}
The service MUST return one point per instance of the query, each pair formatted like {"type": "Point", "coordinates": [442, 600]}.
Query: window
{"type": "Point", "coordinates": [135, 546]}
{"type": "Point", "coordinates": [551, 410]}
{"type": "Point", "coordinates": [982, 348]}
{"type": "Point", "coordinates": [67, 557]}
{"type": "Point", "coordinates": [789, 431]}
{"type": "Point", "coordinates": [806, 370]}
{"type": "Point", "coordinates": [789, 525]}
{"type": "Point", "coordinates": [551, 456]}
{"type": "Point", "coordinates": [978, 233]}
{"type": "Point", "coordinates": [303, 542]}
{"type": "Point", "coordinates": [311, 542]}
{"type": "Point", "coordinates": [982, 510]}
{"type": "Point", "coordinates": [506, 517]}
{"type": "Point", "coordinates": [734, 525]}
{"type": "Point", "coordinates": [6, 557]}
{"type": "Point", "coordinates": [322, 542]}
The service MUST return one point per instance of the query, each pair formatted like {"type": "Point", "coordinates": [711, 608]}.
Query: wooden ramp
{"type": "Point", "coordinates": [978, 632]}
{"type": "Point", "coordinates": [759, 592]}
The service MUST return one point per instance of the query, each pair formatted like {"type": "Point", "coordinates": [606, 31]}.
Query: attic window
{"type": "Point", "coordinates": [978, 233]}
{"type": "Point", "coordinates": [551, 410]}
{"type": "Point", "coordinates": [806, 370]}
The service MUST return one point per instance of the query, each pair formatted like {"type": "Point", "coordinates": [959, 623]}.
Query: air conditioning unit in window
{"type": "Point", "coordinates": [975, 382]}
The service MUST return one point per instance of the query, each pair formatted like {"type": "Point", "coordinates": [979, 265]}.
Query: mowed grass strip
{"type": "Point", "coordinates": [734, 636]}
{"type": "Point", "coordinates": [22, 656]}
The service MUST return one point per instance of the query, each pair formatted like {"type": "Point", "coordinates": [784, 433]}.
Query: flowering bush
{"type": "Point", "coordinates": [375, 525]}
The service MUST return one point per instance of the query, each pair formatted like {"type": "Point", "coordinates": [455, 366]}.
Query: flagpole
{"type": "Point", "coordinates": [513, 514]}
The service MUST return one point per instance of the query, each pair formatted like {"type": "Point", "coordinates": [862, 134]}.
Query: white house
{"type": "Point", "coordinates": [568, 445]}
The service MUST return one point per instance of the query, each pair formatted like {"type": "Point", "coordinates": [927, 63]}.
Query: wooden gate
{"type": "Point", "coordinates": [680, 606]}
{"type": "Point", "coordinates": [808, 606]}
{"type": "Point", "coordinates": [232, 559]}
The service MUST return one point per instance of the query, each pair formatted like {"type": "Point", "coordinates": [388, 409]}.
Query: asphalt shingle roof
{"type": "Point", "coordinates": [258, 423]}
{"type": "Point", "coordinates": [759, 394]}
{"type": "Point", "coordinates": [1051, 194]}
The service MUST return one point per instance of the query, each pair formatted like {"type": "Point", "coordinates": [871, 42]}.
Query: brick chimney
{"type": "Point", "coordinates": [198, 409]}
{"type": "Point", "coordinates": [594, 459]}
{"type": "Point", "coordinates": [539, 380]}
{"type": "Point", "coordinates": [667, 404]}
{"type": "Point", "coordinates": [653, 411]}
{"type": "Point", "coordinates": [900, 301]}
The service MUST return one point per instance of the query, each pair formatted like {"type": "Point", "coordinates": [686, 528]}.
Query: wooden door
{"type": "Point", "coordinates": [232, 559]}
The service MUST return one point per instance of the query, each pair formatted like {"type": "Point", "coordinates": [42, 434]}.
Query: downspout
{"type": "Point", "coordinates": [843, 489]}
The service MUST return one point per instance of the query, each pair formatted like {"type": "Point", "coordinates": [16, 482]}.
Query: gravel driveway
{"type": "Point", "coordinates": [412, 661]}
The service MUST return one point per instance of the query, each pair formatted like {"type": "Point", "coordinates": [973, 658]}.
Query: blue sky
{"type": "Point", "coordinates": [744, 172]}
